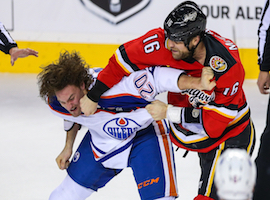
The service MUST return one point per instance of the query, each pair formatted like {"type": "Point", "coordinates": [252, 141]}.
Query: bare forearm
{"type": "Point", "coordinates": [62, 159]}
{"type": "Point", "coordinates": [204, 82]}
{"type": "Point", "coordinates": [188, 82]}
{"type": "Point", "coordinates": [71, 135]}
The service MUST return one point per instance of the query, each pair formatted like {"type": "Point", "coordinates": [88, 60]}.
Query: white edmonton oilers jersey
{"type": "Point", "coordinates": [112, 130]}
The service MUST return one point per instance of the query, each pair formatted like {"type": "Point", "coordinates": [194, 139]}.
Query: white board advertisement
{"type": "Point", "coordinates": [116, 21]}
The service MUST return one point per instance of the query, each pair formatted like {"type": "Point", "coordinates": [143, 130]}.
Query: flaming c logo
{"type": "Point", "coordinates": [218, 64]}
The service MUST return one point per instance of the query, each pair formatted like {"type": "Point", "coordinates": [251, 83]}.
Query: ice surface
{"type": "Point", "coordinates": [31, 137]}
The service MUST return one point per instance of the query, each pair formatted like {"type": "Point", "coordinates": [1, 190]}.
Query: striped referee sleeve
{"type": "Point", "coordinates": [264, 39]}
{"type": "Point", "coordinates": [6, 41]}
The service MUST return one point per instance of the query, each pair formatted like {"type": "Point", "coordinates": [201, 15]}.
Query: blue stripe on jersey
{"type": "Point", "coordinates": [100, 151]}
{"type": "Point", "coordinates": [97, 69]}
{"type": "Point", "coordinates": [124, 102]}
{"type": "Point", "coordinates": [55, 105]}
{"type": "Point", "coordinates": [123, 148]}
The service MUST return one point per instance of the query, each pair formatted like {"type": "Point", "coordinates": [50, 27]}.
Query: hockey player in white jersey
{"type": "Point", "coordinates": [121, 132]}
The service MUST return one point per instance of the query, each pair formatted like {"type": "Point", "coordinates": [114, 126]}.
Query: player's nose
{"type": "Point", "coordinates": [69, 106]}
{"type": "Point", "coordinates": [170, 44]}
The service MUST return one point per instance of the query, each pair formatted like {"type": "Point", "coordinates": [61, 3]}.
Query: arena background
{"type": "Point", "coordinates": [53, 26]}
{"type": "Point", "coordinates": [32, 137]}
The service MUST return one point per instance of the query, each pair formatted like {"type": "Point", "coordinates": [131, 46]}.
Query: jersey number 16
{"type": "Point", "coordinates": [149, 48]}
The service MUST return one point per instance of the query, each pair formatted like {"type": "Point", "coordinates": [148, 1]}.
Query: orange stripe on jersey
{"type": "Point", "coordinates": [96, 156]}
{"type": "Point", "coordinates": [119, 95]}
{"type": "Point", "coordinates": [120, 64]}
{"type": "Point", "coordinates": [173, 190]}
{"type": "Point", "coordinates": [63, 113]}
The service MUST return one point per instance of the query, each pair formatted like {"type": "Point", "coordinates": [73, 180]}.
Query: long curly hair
{"type": "Point", "coordinates": [69, 69]}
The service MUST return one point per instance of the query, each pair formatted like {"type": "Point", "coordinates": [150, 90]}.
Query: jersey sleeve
{"type": "Point", "coordinates": [6, 41]}
{"type": "Point", "coordinates": [264, 39]}
{"type": "Point", "coordinates": [68, 125]}
{"type": "Point", "coordinates": [166, 79]}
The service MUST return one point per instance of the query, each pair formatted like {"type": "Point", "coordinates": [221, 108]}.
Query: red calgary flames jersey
{"type": "Point", "coordinates": [223, 112]}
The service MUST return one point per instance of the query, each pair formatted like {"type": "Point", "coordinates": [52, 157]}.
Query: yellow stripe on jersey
{"type": "Point", "coordinates": [186, 141]}
{"type": "Point", "coordinates": [213, 169]}
{"type": "Point", "coordinates": [215, 109]}
{"type": "Point", "coordinates": [251, 138]}
{"type": "Point", "coordinates": [119, 63]}
{"type": "Point", "coordinates": [239, 118]}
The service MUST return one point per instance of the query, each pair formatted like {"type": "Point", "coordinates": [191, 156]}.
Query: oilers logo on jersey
{"type": "Point", "coordinates": [121, 128]}
{"type": "Point", "coordinates": [76, 157]}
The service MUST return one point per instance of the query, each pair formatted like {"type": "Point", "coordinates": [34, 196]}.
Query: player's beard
{"type": "Point", "coordinates": [181, 55]}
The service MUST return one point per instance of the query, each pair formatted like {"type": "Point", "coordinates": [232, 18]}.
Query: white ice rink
{"type": "Point", "coordinates": [31, 137]}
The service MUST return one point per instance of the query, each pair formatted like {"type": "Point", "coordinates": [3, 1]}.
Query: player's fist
{"type": "Point", "coordinates": [206, 79]}
{"type": "Point", "coordinates": [157, 109]}
{"type": "Point", "coordinates": [88, 107]}
{"type": "Point", "coordinates": [63, 159]}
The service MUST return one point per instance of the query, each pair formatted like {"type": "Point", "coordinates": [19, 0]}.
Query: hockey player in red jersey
{"type": "Point", "coordinates": [206, 122]}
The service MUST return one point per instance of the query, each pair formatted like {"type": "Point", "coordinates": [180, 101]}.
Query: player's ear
{"type": "Point", "coordinates": [82, 86]}
{"type": "Point", "coordinates": [195, 40]}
